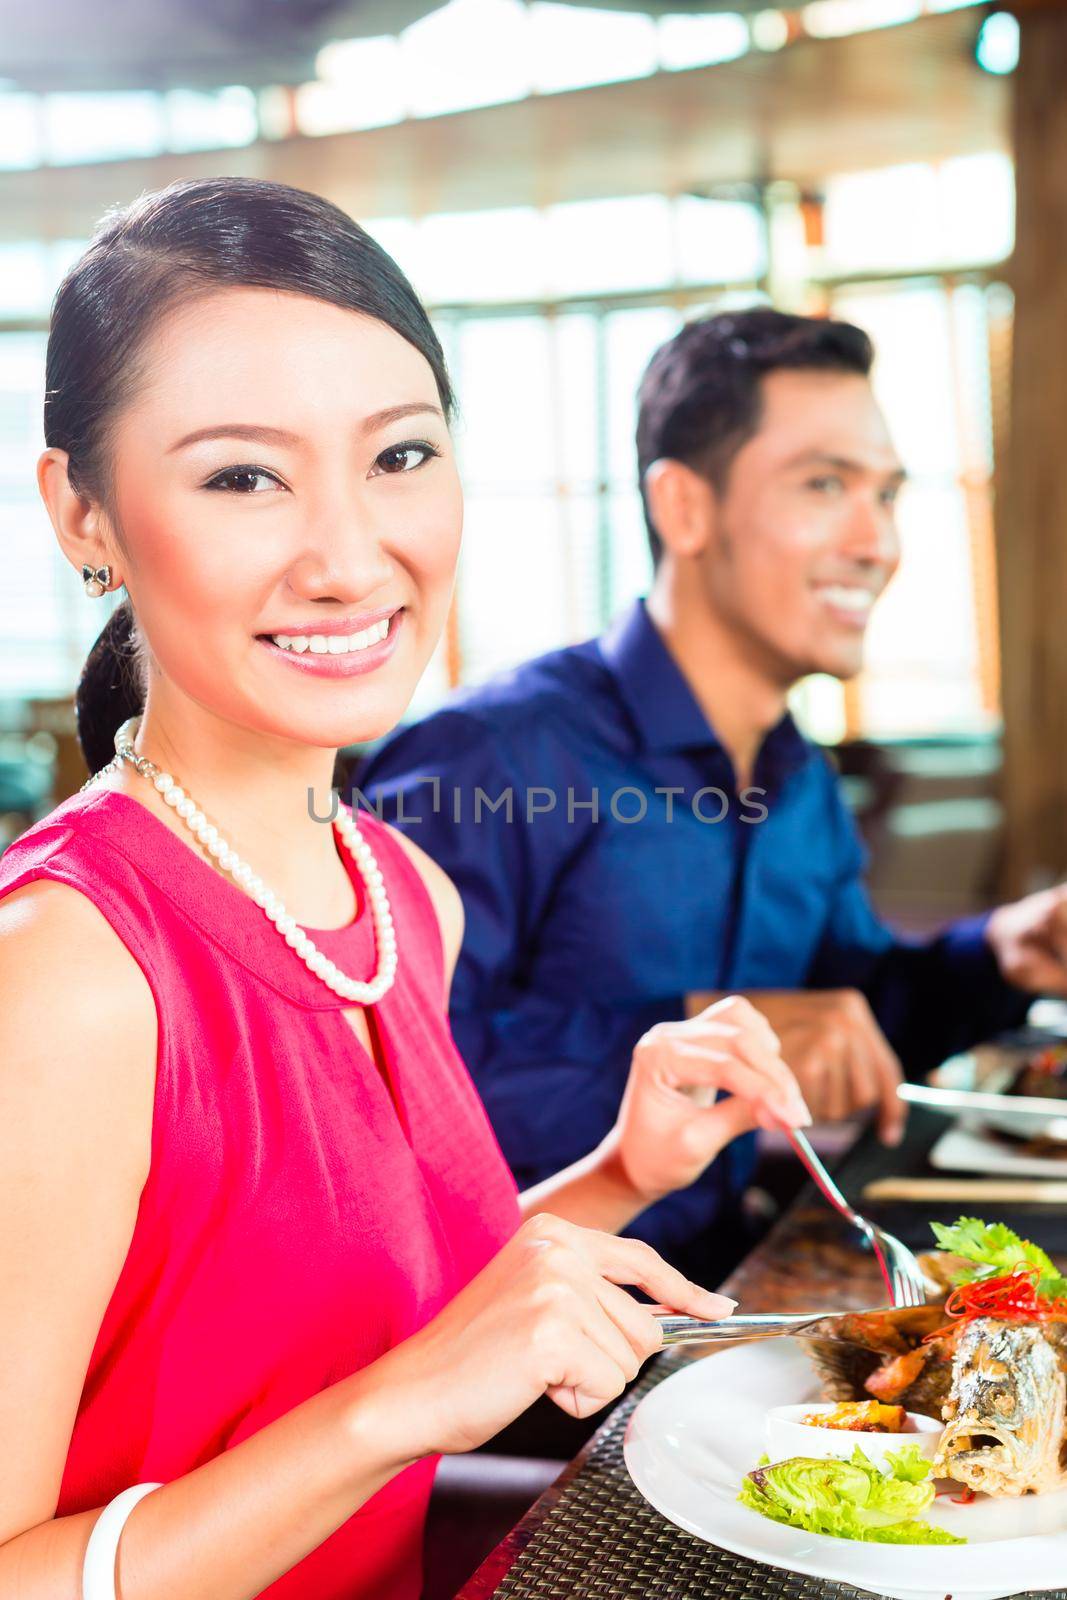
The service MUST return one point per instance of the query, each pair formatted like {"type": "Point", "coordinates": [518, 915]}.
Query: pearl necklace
{"type": "Point", "coordinates": [366, 994]}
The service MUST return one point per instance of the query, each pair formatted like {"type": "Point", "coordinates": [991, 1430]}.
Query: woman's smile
{"type": "Point", "coordinates": [338, 649]}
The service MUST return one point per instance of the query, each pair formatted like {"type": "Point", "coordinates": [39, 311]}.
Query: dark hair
{"type": "Point", "coordinates": [700, 398]}
{"type": "Point", "coordinates": [168, 247]}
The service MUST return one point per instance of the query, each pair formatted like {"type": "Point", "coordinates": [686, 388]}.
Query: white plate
{"type": "Point", "coordinates": [692, 1439]}
{"type": "Point", "coordinates": [963, 1148]}
{"type": "Point", "coordinates": [973, 1085]}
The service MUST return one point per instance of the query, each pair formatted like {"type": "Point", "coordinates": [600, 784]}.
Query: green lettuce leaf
{"type": "Point", "coordinates": [996, 1249]}
{"type": "Point", "coordinates": [849, 1499]}
{"type": "Point", "coordinates": [908, 1463]}
{"type": "Point", "coordinates": [911, 1533]}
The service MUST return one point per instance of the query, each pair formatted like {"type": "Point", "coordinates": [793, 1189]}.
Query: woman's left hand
{"type": "Point", "coordinates": [670, 1124]}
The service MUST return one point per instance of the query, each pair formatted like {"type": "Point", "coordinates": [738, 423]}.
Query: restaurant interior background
{"type": "Point", "coordinates": [565, 183]}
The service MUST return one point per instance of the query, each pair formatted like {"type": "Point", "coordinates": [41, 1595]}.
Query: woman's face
{"type": "Point", "coordinates": [283, 472]}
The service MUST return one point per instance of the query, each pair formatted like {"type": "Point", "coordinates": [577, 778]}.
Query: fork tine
{"type": "Point", "coordinates": [903, 1276]}
{"type": "Point", "coordinates": [909, 1286]}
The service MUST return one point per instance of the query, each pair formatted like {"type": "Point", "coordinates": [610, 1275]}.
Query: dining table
{"type": "Point", "coordinates": [592, 1536]}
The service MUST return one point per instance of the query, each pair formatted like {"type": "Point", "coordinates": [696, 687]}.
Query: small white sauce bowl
{"type": "Point", "coordinates": [788, 1435]}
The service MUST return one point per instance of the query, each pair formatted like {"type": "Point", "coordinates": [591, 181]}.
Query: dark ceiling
{"type": "Point", "coordinates": [113, 44]}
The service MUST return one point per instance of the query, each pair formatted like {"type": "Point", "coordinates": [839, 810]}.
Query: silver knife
{"type": "Point", "coordinates": [774, 1325]}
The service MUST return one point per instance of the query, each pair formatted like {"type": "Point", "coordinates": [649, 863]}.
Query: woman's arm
{"type": "Point", "coordinates": [76, 1093]}
{"type": "Point", "coordinates": [547, 1315]}
{"type": "Point", "coordinates": [594, 1192]}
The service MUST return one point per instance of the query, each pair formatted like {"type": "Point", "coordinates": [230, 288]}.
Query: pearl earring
{"type": "Point", "coordinates": [97, 581]}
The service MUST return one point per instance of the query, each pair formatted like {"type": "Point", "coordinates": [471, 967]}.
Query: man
{"type": "Point", "coordinates": [671, 833]}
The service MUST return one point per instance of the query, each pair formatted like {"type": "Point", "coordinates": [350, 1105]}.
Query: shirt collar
{"type": "Point", "coordinates": [661, 703]}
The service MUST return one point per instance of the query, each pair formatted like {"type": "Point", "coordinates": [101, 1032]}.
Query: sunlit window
{"type": "Point", "coordinates": [926, 662]}
{"type": "Point", "coordinates": [978, 208]}
{"type": "Point", "coordinates": [506, 437]}
{"type": "Point", "coordinates": [224, 119]}
{"type": "Point", "coordinates": [362, 85]}
{"type": "Point", "coordinates": [572, 47]}
{"type": "Point", "coordinates": [888, 216]}
{"type": "Point", "coordinates": [470, 53]}
{"type": "Point", "coordinates": [546, 449]}
{"type": "Point", "coordinates": [921, 215]}
{"type": "Point", "coordinates": [600, 245]}
{"type": "Point", "coordinates": [401, 237]}
{"type": "Point", "coordinates": [102, 127]}
{"type": "Point", "coordinates": [324, 108]}
{"type": "Point", "coordinates": [580, 247]}
{"type": "Point", "coordinates": [483, 255]}
{"type": "Point", "coordinates": [61, 256]}
{"type": "Point", "coordinates": [21, 142]}
{"type": "Point", "coordinates": [630, 337]}
{"type": "Point", "coordinates": [828, 19]}
{"type": "Point", "coordinates": [23, 279]}
{"type": "Point", "coordinates": [30, 274]}
{"type": "Point", "coordinates": [702, 41]}
{"type": "Point", "coordinates": [719, 241]}
{"type": "Point", "coordinates": [46, 624]}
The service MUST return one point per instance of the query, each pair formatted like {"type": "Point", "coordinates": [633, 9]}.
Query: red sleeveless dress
{"type": "Point", "coordinates": [298, 1219]}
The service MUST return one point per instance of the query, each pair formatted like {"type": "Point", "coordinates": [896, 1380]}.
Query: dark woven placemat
{"type": "Point", "coordinates": [603, 1539]}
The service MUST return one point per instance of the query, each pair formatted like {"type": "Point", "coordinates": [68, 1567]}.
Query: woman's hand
{"type": "Point", "coordinates": [670, 1124]}
{"type": "Point", "coordinates": [548, 1315]}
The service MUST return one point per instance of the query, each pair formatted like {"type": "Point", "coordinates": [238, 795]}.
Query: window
{"type": "Point", "coordinates": [217, 121]}
{"type": "Point", "coordinates": [101, 127]}
{"type": "Point", "coordinates": [46, 623]}
{"type": "Point", "coordinates": [921, 216]}
{"type": "Point", "coordinates": [931, 653]}
{"type": "Point", "coordinates": [548, 318]}
{"type": "Point", "coordinates": [21, 141]}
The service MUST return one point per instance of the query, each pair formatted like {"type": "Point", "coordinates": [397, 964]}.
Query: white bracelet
{"type": "Point", "coordinates": [98, 1572]}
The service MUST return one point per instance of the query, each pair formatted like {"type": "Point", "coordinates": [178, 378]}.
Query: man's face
{"type": "Point", "coordinates": [805, 537]}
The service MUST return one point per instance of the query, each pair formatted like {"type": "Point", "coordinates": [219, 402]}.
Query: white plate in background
{"type": "Point", "coordinates": [972, 1085]}
{"type": "Point", "coordinates": [966, 1148]}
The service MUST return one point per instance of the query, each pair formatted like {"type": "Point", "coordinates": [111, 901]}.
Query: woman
{"type": "Point", "coordinates": [267, 1254]}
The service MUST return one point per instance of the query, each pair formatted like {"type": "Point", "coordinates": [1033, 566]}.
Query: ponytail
{"type": "Point", "coordinates": [110, 688]}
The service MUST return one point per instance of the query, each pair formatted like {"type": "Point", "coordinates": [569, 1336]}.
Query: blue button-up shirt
{"type": "Point", "coordinates": [589, 817]}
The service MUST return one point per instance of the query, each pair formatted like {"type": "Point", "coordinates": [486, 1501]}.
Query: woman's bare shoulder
{"type": "Point", "coordinates": [77, 1005]}
{"type": "Point", "coordinates": [52, 932]}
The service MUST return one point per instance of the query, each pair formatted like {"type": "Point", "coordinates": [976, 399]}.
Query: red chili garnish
{"type": "Point", "coordinates": [1012, 1297]}
{"type": "Point", "coordinates": [964, 1497]}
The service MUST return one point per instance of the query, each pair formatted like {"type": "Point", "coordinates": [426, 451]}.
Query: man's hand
{"type": "Point", "coordinates": [838, 1053]}
{"type": "Point", "coordinates": [1029, 940]}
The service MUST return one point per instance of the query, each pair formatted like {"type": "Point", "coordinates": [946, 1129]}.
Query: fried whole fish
{"type": "Point", "coordinates": [1005, 1411]}
{"type": "Point", "coordinates": [882, 1354]}
{"type": "Point", "coordinates": [1000, 1386]}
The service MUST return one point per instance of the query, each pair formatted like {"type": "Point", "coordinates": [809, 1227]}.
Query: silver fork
{"type": "Point", "coordinates": [902, 1273]}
